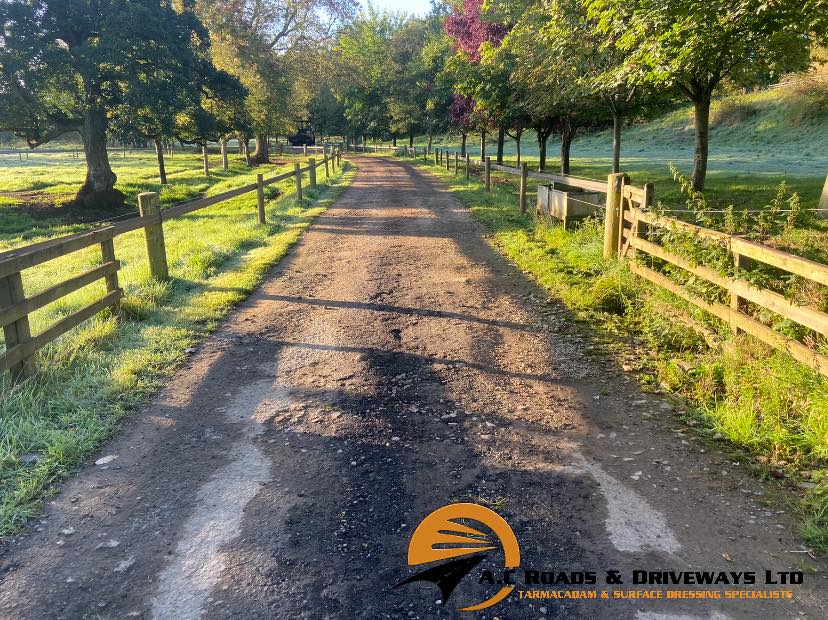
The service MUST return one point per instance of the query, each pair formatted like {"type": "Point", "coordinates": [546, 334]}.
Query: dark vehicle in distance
{"type": "Point", "coordinates": [302, 137]}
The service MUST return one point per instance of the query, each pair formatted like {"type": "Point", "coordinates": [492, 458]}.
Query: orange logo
{"type": "Point", "coordinates": [442, 536]}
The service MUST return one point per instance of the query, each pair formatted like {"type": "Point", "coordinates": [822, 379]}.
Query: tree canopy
{"type": "Point", "coordinates": [201, 71]}
{"type": "Point", "coordinates": [82, 65]}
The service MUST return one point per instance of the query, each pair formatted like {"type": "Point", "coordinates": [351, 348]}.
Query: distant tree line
{"type": "Point", "coordinates": [501, 67]}
{"type": "Point", "coordinates": [199, 71]}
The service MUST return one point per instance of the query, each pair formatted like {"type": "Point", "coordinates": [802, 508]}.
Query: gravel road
{"type": "Point", "coordinates": [391, 364]}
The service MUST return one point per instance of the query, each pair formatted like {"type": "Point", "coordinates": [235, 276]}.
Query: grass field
{"type": "Point", "coordinates": [748, 396]}
{"type": "Point", "coordinates": [102, 370]}
{"type": "Point", "coordinates": [32, 191]}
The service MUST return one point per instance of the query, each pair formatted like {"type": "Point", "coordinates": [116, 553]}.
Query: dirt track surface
{"type": "Point", "coordinates": [391, 364]}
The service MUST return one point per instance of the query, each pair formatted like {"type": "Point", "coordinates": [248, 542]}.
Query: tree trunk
{"type": "Point", "coordinates": [98, 190]}
{"type": "Point", "coordinates": [262, 153]}
{"type": "Point", "coordinates": [410, 138]}
{"type": "Point", "coordinates": [518, 136]}
{"type": "Point", "coordinates": [542, 137]}
{"type": "Point", "coordinates": [245, 150]}
{"type": "Point", "coordinates": [617, 121]}
{"type": "Point", "coordinates": [702, 113]}
{"type": "Point", "coordinates": [205, 157]}
{"type": "Point", "coordinates": [430, 138]}
{"type": "Point", "coordinates": [463, 137]}
{"type": "Point", "coordinates": [393, 139]}
{"type": "Point", "coordinates": [567, 135]}
{"type": "Point", "coordinates": [501, 140]}
{"type": "Point", "coordinates": [224, 163]}
{"type": "Point", "coordinates": [159, 154]}
{"type": "Point", "coordinates": [483, 144]}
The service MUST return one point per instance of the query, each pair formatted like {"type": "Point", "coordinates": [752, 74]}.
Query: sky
{"type": "Point", "coordinates": [416, 7]}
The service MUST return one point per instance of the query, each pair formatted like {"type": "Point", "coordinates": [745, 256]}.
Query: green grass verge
{"type": "Point", "coordinates": [750, 396]}
{"type": "Point", "coordinates": [32, 192]}
{"type": "Point", "coordinates": [96, 374]}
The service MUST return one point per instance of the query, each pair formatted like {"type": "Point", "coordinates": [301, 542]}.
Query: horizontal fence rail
{"type": "Point", "coordinates": [16, 306]}
{"type": "Point", "coordinates": [635, 241]}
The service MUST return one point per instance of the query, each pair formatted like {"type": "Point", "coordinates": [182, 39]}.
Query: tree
{"type": "Point", "coordinates": [561, 61]}
{"type": "Point", "coordinates": [270, 46]}
{"type": "Point", "coordinates": [406, 107]}
{"type": "Point", "coordinates": [326, 112]}
{"type": "Point", "coordinates": [215, 113]}
{"type": "Point", "coordinates": [435, 84]}
{"type": "Point", "coordinates": [366, 70]}
{"type": "Point", "coordinates": [66, 65]}
{"type": "Point", "coordinates": [462, 111]}
{"type": "Point", "coordinates": [160, 92]}
{"type": "Point", "coordinates": [471, 31]}
{"type": "Point", "coordinates": [694, 46]}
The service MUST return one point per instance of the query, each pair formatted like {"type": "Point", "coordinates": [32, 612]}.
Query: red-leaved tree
{"type": "Point", "coordinates": [469, 31]}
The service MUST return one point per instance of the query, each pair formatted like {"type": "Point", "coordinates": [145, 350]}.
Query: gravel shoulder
{"type": "Point", "coordinates": [390, 364]}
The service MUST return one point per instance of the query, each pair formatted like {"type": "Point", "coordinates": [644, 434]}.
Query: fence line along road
{"type": "Point", "coordinates": [15, 305]}
{"type": "Point", "coordinates": [628, 227]}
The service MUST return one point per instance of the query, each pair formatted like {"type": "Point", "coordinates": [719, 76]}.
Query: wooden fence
{"type": "Point", "coordinates": [15, 305]}
{"type": "Point", "coordinates": [628, 227]}
{"type": "Point", "coordinates": [453, 160]}
{"type": "Point", "coordinates": [629, 231]}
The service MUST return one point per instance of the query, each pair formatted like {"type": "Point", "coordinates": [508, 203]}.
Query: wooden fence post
{"type": "Point", "coordinates": [224, 163]}
{"type": "Point", "coordinates": [149, 204]}
{"type": "Point", "coordinates": [312, 171]}
{"type": "Point", "coordinates": [488, 174]}
{"type": "Point", "coordinates": [260, 203]}
{"type": "Point", "coordinates": [108, 256]}
{"type": "Point", "coordinates": [524, 177]}
{"type": "Point", "coordinates": [206, 157]}
{"type": "Point", "coordinates": [467, 165]}
{"type": "Point", "coordinates": [740, 262]}
{"type": "Point", "coordinates": [304, 149]}
{"type": "Point", "coordinates": [456, 163]}
{"type": "Point", "coordinates": [17, 332]}
{"type": "Point", "coordinates": [612, 221]}
{"type": "Point", "coordinates": [298, 177]}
